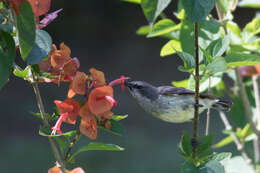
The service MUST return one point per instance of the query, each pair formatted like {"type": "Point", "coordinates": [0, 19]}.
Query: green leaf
{"type": "Point", "coordinates": [198, 10]}
{"type": "Point", "coordinates": [235, 59]}
{"type": "Point", "coordinates": [170, 48]}
{"type": "Point", "coordinates": [116, 128]}
{"type": "Point", "coordinates": [46, 131]}
{"type": "Point", "coordinates": [48, 117]}
{"type": "Point", "coordinates": [204, 151]}
{"type": "Point", "coordinates": [183, 83]}
{"type": "Point", "coordinates": [119, 117]}
{"type": "Point", "coordinates": [26, 29]}
{"type": "Point", "coordinates": [162, 27]}
{"type": "Point", "coordinates": [236, 165]}
{"type": "Point", "coordinates": [204, 82]}
{"type": "Point", "coordinates": [249, 3]}
{"type": "Point", "coordinates": [218, 47]}
{"type": "Point", "coordinates": [185, 146]}
{"type": "Point", "coordinates": [187, 37]}
{"type": "Point", "coordinates": [133, 1]}
{"type": "Point", "coordinates": [240, 134]}
{"type": "Point", "coordinates": [206, 56]}
{"type": "Point", "coordinates": [251, 29]}
{"type": "Point", "coordinates": [7, 55]}
{"type": "Point", "coordinates": [21, 73]}
{"type": "Point", "coordinates": [153, 8]}
{"type": "Point", "coordinates": [189, 167]}
{"type": "Point", "coordinates": [143, 30]}
{"type": "Point", "coordinates": [234, 32]}
{"type": "Point", "coordinates": [212, 166]}
{"type": "Point", "coordinates": [97, 146]}
{"type": "Point", "coordinates": [218, 65]}
{"type": "Point", "coordinates": [188, 59]}
{"type": "Point", "coordinates": [224, 5]}
{"type": "Point", "coordinates": [221, 156]}
{"type": "Point", "coordinates": [41, 48]}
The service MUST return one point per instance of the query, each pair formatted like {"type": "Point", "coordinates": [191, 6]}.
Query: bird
{"type": "Point", "coordinates": [173, 104]}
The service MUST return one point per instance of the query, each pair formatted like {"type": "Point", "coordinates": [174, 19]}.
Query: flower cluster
{"type": "Point", "coordinates": [56, 169]}
{"type": "Point", "coordinates": [99, 95]}
{"type": "Point", "coordinates": [39, 8]}
{"type": "Point", "coordinates": [247, 71]}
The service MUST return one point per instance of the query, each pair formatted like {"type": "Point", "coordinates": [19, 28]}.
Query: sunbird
{"type": "Point", "coordinates": [172, 104]}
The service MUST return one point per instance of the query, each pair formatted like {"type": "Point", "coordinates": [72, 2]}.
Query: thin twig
{"type": "Point", "coordinates": [43, 114]}
{"type": "Point", "coordinates": [196, 97]}
{"type": "Point", "coordinates": [257, 102]}
{"type": "Point", "coordinates": [72, 144]}
{"type": "Point", "coordinates": [208, 111]}
{"type": "Point", "coordinates": [240, 147]}
{"type": "Point", "coordinates": [246, 104]}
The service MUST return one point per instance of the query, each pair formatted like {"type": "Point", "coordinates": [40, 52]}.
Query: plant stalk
{"type": "Point", "coordinates": [256, 87]}
{"type": "Point", "coordinates": [45, 122]}
{"type": "Point", "coordinates": [208, 111]}
{"type": "Point", "coordinates": [196, 97]}
{"type": "Point", "coordinates": [72, 144]}
{"type": "Point", "coordinates": [240, 147]}
{"type": "Point", "coordinates": [246, 104]}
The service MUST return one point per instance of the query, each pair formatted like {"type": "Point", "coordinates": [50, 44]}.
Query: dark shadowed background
{"type": "Point", "coordinates": [102, 35]}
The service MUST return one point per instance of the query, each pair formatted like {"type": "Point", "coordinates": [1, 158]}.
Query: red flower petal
{"type": "Point", "coordinates": [71, 93]}
{"type": "Point", "coordinates": [70, 67]}
{"type": "Point", "coordinates": [120, 81]}
{"type": "Point", "coordinates": [69, 106]}
{"type": "Point", "coordinates": [15, 5]}
{"type": "Point", "coordinates": [98, 76]}
{"type": "Point", "coordinates": [88, 124]}
{"type": "Point", "coordinates": [78, 84]}
{"type": "Point", "coordinates": [58, 124]}
{"type": "Point", "coordinates": [56, 169]}
{"type": "Point", "coordinates": [97, 102]}
{"type": "Point", "coordinates": [40, 7]}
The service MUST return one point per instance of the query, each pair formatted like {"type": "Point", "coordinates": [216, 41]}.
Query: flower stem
{"type": "Point", "coordinates": [256, 80]}
{"type": "Point", "coordinates": [196, 97]}
{"type": "Point", "coordinates": [239, 146]}
{"type": "Point", "coordinates": [46, 123]}
{"type": "Point", "coordinates": [246, 104]}
{"type": "Point", "coordinates": [208, 111]}
{"type": "Point", "coordinates": [72, 144]}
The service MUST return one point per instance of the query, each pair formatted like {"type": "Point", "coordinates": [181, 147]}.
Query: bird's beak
{"type": "Point", "coordinates": [129, 85]}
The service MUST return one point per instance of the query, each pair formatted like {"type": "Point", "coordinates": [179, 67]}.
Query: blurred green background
{"type": "Point", "coordinates": [102, 35]}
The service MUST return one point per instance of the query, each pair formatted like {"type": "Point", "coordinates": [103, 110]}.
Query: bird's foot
{"type": "Point", "coordinates": [197, 105]}
{"type": "Point", "coordinates": [194, 142]}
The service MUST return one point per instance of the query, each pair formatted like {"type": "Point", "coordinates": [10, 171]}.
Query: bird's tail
{"type": "Point", "coordinates": [222, 105]}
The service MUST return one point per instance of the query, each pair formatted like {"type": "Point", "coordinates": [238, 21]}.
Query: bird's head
{"type": "Point", "coordinates": [142, 90]}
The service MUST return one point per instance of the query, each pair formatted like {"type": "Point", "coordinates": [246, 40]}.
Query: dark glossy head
{"type": "Point", "coordinates": [142, 90]}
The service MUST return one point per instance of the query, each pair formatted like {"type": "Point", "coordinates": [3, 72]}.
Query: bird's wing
{"type": "Point", "coordinates": [171, 90]}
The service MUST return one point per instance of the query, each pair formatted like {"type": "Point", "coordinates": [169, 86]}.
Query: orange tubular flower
{"type": "Point", "coordinates": [56, 169]}
{"type": "Point", "coordinates": [68, 110]}
{"type": "Point", "coordinates": [78, 85]}
{"type": "Point", "coordinates": [60, 65]}
{"type": "Point", "coordinates": [98, 76]}
{"type": "Point", "coordinates": [247, 71]}
{"type": "Point", "coordinates": [101, 101]}
{"type": "Point", "coordinates": [88, 124]}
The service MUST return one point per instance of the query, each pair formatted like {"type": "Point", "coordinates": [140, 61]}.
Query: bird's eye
{"type": "Point", "coordinates": [138, 86]}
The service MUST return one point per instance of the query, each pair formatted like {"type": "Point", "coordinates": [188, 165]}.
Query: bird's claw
{"type": "Point", "coordinates": [197, 105]}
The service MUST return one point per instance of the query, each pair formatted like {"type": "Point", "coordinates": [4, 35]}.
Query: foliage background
{"type": "Point", "coordinates": [102, 35]}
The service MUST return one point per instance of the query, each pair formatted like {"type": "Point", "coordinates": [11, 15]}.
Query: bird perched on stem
{"type": "Point", "coordinates": [172, 104]}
